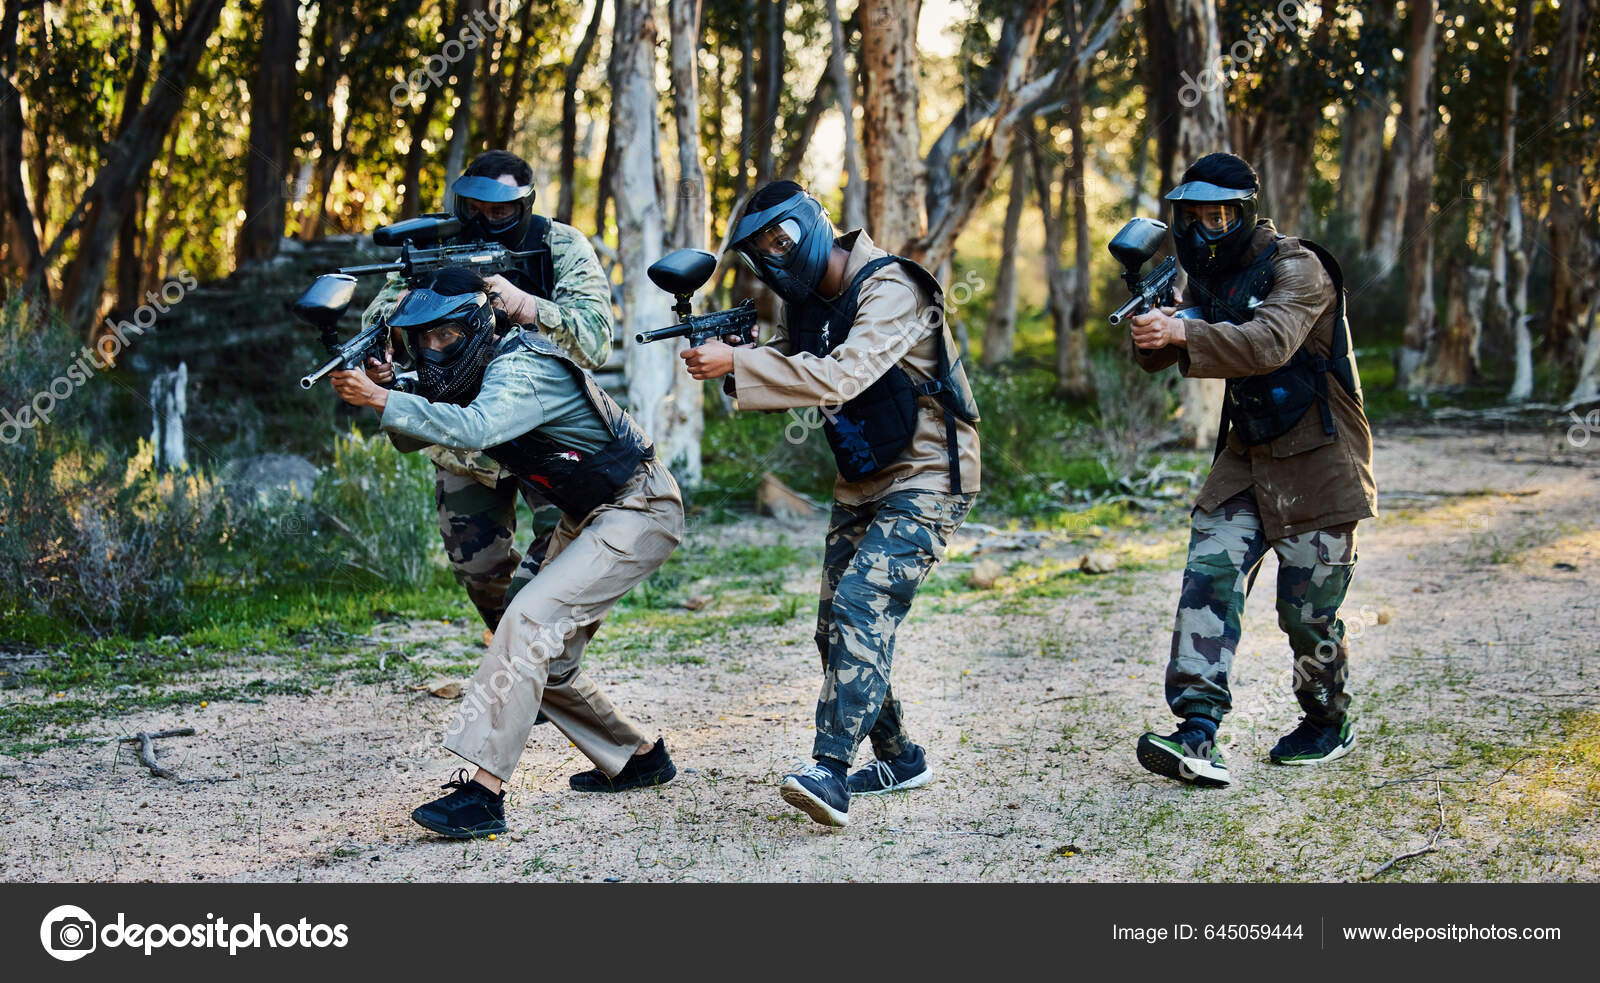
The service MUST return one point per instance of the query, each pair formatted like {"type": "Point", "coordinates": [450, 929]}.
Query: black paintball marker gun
{"type": "Point", "coordinates": [421, 254]}
{"type": "Point", "coordinates": [682, 272]}
{"type": "Point", "coordinates": [1139, 240]}
{"type": "Point", "coordinates": [321, 306]}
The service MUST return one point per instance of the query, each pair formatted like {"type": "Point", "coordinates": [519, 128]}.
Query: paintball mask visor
{"type": "Point", "coordinates": [1210, 212]}
{"type": "Point", "coordinates": [438, 327]}
{"type": "Point", "coordinates": [492, 210]}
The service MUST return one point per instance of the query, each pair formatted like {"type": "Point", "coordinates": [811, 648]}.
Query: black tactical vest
{"type": "Point", "coordinates": [535, 274]}
{"type": "Point", "coordinates": [574, 481]}
{"type": "Point", "coordinates": [868, 433]}
{"type": "Point", "coordinates": [1263, 408]}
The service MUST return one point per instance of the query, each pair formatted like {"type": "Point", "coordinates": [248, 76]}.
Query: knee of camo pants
{"type": "Point", "coordinates": [1314, 573]}
{"type": "Point", "coordinates": [477, 522]}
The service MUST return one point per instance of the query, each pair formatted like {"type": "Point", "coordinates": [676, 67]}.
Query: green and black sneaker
{"type": "Point", "coordinates": [1312, 743]}
{"type": "Point", "coordinates": [1188, 754]}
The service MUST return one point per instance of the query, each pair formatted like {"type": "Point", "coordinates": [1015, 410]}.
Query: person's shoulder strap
{"type": "Point", "coordinates": [1341, 333]}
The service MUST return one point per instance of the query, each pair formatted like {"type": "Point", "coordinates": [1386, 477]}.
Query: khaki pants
{"type": "Point", "coordinates": [535, 659]}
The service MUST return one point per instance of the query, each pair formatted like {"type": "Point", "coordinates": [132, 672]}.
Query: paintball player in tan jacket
{"type": "Point", "coordinates": [864, 352]}
{"type": "Point", "coordinates": [1292, 472]}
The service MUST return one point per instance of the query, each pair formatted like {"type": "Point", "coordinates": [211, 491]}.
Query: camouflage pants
{"type": "Point", "coordinates": [1226, 547]}
{"type": "Point", "coordinates": [479, 524]}
{"type": "Point", "coordinates": [876, 557]}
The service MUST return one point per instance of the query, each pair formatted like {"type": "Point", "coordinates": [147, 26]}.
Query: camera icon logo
{"type": "Point", "coordinates": [68, 933]}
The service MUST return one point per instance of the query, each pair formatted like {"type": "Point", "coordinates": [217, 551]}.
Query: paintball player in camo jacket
{"type": "Point", "coordinates": [1292, 471]}
{"type": "Point", "coordinates": [564, 293]}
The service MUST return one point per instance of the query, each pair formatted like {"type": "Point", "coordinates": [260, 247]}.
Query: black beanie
{"type": "Point", "coordinates": [1224, 170]}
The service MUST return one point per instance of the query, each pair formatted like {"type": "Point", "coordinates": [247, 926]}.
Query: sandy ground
{"type": "Point", "coordinates": [1474, 617]}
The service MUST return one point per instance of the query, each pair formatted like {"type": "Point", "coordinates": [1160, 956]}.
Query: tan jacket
{"type": "Point", "coordinates": [1305, 479]}
{"type": "Point", "coordinates": [894, 324]}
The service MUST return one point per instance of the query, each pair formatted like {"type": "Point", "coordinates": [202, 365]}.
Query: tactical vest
{"type": "Point", "coordinates": [574, 481]}
{"type": "Point", "coordinates": [868, 433]}
{"type": "Point", "coordinates": [1263, 408]}
{"type": "Point", "coordinates": [535, 274]}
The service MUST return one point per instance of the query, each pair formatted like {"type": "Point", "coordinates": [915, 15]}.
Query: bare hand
{"type": "Point", "coordinates": [358, 390]}
{"type": "Point", "coordinates": [711, 360]}
{"type": "Point", "coordinates": [1157, 329]}
{"type": "Point", "coordinates": [380, 372]}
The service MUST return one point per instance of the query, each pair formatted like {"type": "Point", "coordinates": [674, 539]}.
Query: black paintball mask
{"type": "Point", "coordinates": [449, 339]}
{"type": "Point", "coordinates": [475, 227]}
{"type": "Point", "coordinates": [1214, 214]}
{"type": "Point", "coordinates": [786, 245]}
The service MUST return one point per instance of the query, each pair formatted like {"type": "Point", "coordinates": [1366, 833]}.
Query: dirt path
{"type": "Point", "coordinates": [1475, 613]}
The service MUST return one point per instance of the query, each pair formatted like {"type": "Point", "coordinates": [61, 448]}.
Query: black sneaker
{"type": "Point", "coordinates": [818, 793]}
{"type": "Point", "coordinates": [910, 770]}
{"type": "Point", "coordinates": [468, 812]}
{"type": "Point", "coordinates": [1188, 755]}
{"type": "Point", "coordinates": [654, 767]}
{"type": "Point", "coordinates": [1312, 743]}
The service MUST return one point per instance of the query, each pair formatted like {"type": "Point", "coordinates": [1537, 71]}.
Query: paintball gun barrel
{"type": "Point", "coordinates": [682, 272]}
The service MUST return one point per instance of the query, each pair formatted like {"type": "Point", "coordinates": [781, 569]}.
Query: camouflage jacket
{"type": "Point", "coordinates": [578, 319]}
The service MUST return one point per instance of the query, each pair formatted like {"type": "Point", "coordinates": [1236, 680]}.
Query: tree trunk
{"type": "Point", "coordinates": [461, 123]}
{"type": "Point", "coordinates": [661, 396]}
{"type": "Point", "coordinates": [1072, 341]}
{"type": "Point", "coordinates": [891, 135]}
{"type": "Point", "coordinates": [1505, 323]}
{"type": "Point", "coordinates": [127, 162]}
{"type": "Point", "coordinates": [1572, 246]}
{"type": "Point", "coordinates": [1381, 222]}
{"type": "Point", "coordinates": [1202, 129]}
{"type": "Point", "coordinates": [271, 108]}
{"type": "Point", "coordinates": [569, 117]}
{"type": "Point", "coordinates": [855, 192]}
{"type": "Point", "coordinates": [507, 128]}
{"type": "Point", "coordinates": [21, 239]}
{"type": "Point", "coordinates": [769, 86]}
{"type": "Point", "coordinates": [421, 122]}
{"type": "Point", "coordinates": [1000, 332]}
{"type": "Point", "coordinates": [1360, 161]}
{"type": "Point", "coordinates": [1421, 323]}
{"type": "Point", "coordinates": [693, 210]}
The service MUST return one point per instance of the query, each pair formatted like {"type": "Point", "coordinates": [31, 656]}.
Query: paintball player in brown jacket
{"type": "Point", "coordinates": [1292, 472]}
{"type": "Point", "coordinates": [863, 353]}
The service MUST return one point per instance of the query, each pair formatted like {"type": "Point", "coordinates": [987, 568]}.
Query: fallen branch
{"type": "Point", "coordinates": [1433, 841]}
{"type": "Point", "coordinates": [147, 756]}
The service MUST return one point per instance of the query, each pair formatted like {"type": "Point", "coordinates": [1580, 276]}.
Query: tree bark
{"type": "Point", "coordinates": [1387, 214]}
{"type": "Point", "coordinates": [855, 191]}
{"type": "Point", "coordinates": [1421, 322]}
{"type": "Point", "coordinates": [1072, 341]}
{"type": "Point", "coordinates": [1000, 332]}
{"type": "Point", "coordinates": [769, 86]}
{"type": "Point", "coordinates": [569, 116]}
{"type": "Point", "coordinates": [127, 161]}
{"type": "Point", "coordinates": [507, 127]}
{"type": "Point", "coordinates": [271, 109]}
{"type": "Point", "coordinates": [661, 396]}
{"type": "Point", "coordinates": [692, 213]}
{"type": "Point", "coordinates": [891, 136]}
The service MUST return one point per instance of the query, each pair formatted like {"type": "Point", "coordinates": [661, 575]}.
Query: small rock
{"type": "Point", "coordinates": [448, 690]}
{"type": "Point", "coordinates": [697, 602]}
{"type": "Point", "coordinates": [488, 637]}
{"type": "Point", "coordinates": [984, 574]}
{"type": "Point", "coordinates": [516, 837]}
{"type": "Point", "coordinates": [1385, 616]}
{"type": "Point", "coordinates": [1097, 563]}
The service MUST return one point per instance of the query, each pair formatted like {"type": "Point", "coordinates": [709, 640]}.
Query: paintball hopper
{"type": "Point", "coordinates": [424, 230]}
{"type": "Point", "coordinates": [1137, 241]}
{"type": "Point", "coordinates": [683, 271]}
{"type": "Point", "coordinates": [325, 301]}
